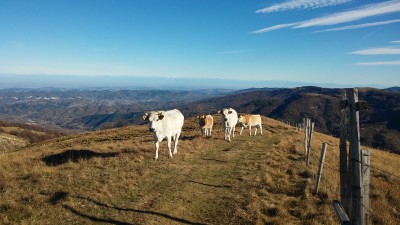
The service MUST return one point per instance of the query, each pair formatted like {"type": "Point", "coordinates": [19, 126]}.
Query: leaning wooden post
{"type": "Point", "coordinates": [320, 167]}
{"type": "Point", "coordinates": [344, 181]}
{"type": "Point", "coordinates": [305, 135]}
{"type": "Point", "coordinates": [311, 130]}
{"type": "Point", "coordinates": [357, 216]}
{"type": "Point", "coordinates": [341, 213]}
{"type": "Point", "coordinates": [366, 162]}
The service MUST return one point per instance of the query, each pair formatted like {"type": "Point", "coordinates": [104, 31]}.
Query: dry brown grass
{"type": "Point", "coordinates": [10, 142]}
{"type": "Point", "coordinates": [110, 176]}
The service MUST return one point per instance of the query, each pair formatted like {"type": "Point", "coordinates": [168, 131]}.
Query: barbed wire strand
{"type": "Point", "coordinates": [372, 167]}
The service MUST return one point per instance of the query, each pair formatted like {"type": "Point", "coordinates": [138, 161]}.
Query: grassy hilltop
{"type": "Point", "coordinates": [110, 177]}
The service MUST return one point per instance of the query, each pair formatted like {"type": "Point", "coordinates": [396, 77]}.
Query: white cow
{"type": "Point", "coordinates": [206, 123]}
{"type": "Point", "coordinates": [250, 121]}
{"type": "Point", "coordinates": [165, 124]}
{"type": "Point", "coordinates": [229, 120]}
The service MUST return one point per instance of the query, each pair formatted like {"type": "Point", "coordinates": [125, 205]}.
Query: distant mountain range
{"type": "Point", "coordinates": [396, 89]}
{"type": "Point", "coordinates": [72, 108]}
{"type": "Point", "coordinates": [100, 109]}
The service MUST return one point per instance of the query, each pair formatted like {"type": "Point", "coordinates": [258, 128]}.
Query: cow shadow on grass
{"type": "Point", "coordinates": [189, 138]}
{"type": "Point", "coordinates": [112, 221]}
{"type": "Point", "coordinates": [93, 218]}
{"type": "Point", "coordinates": [61, 197]}
{"type": "Point", "coordinates": [74, 155]}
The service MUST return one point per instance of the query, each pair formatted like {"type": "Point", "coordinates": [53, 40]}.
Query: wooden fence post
{"type": "Point", "coordinates": [354, 167]}
{"type": "Point", "coordinates": [357, 216]}
{"type": "Point", "coordinates": [321, 166]}
{"type": "Point", "coordinates": [366, 162]}
{"type": "Point", "coordinates": [305, 135]}
{"type": "Point", "coordinates": [310, 130]}
{"type": "Point", "coordinates": [341, 213]}
{"type": "Point", "coordinates": [344, 180]}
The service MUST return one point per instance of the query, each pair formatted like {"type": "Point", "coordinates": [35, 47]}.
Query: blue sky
{"type": "Point", "coordinates": [346, 42]}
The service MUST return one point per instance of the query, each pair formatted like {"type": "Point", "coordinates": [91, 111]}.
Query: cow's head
{"type": "Point", "coordinates": [225, 115]}
{"type": "Point", "coordinates": [154, 119]}
{"type": "Point", "coordinates": [201, 120]}
{"type": "Point", "coordinates": [240, 118]}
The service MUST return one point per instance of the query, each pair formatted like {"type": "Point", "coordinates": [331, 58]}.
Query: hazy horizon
{"type": "Point", "coordinates": [137, 82]}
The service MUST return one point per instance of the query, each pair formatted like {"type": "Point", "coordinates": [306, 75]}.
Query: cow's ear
{"type": "Point", "coordinates": [145, 117]}
{"type": "Point", "coordinates": [219, 112]}
{"type": "Point", "coordinates": [160, 116]}
{"type": "Point", "coordinates": [229, 112]}
{"type": "Point", "coordinates": [198, 117]}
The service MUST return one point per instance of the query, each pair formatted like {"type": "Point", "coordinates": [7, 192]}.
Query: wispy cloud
{"type": "Point", "coordinates": [300, 4]}
{"type": "Point", "coordinates": [360, 26]}
{"type": "Point", "coordinates": [352, 15]}
{"type": "Point", "coordinates": [385, 63]}
{"type": "Point", "coordinates": [395, 42]}
{"type": "Point", "coordinates": [378, 51]}
{"type": "Point", "coordinates": [276, 27]}
{"type": "Point", "coordinates": [342, 17]}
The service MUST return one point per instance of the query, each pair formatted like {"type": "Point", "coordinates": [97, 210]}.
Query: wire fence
{"type": "Point", "coordinates": [336, 169]}
{"type": "Point", "coordinates": [376, 212]}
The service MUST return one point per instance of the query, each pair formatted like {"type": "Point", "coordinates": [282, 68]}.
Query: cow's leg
{"type": "Point", "coordinates": [225, 133]}
{"type": "Point", "coordinates": [255, 132]}
{"type": "Point", "coordinates": [241, 130]}
{"type": "Point", "coordinates": [169, 146]}
{"type": "Point", "coordinates": [233, 132]}
{"type": "Point", "coordinates": [261, 129]}
{"type": "Point", "coordinates": [157, 144]}
{"type": "Point", "coordinates": [176, 142]}
{"type": "Point", "coordinates": [250, 130]}
{"type": "Point", "coordinates": [210, 131]}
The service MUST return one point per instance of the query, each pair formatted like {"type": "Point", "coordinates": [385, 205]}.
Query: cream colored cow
{"type": "Point", "coordinates": [248, 120]}
{"type": "Point", "coordinates": [165, 125]}
{"type": "Point", "coordinates": [206, 123]}
{"type": "Point", "coordinates": [229, 120]}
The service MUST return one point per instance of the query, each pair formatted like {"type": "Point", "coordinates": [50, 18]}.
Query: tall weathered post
{"type": "Point", "coordinates": [354, 168]}
{"type": "Point", "coordinates": [344, 180]}
{"type": "Point", "coordinates": [357, 211]}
